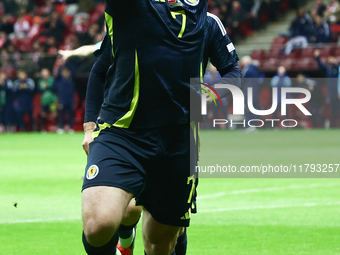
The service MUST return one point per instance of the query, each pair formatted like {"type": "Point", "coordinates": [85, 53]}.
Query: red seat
{"type": "Point", "coordinates": [258, 54]}
{"type": "Point", "coordinates": [307, 52]}
{"type": "Point", "coordinates": [327, 51]}
{"type": "Point", "coordinates": [270, 64]}
{"type": "Point", "coordinates": [306, 64]}
{"type": "Point", "coordinates": [337, 52]}
{"type": "Point", "coordinates": [281, 40]}
{"type": "Point", "coordinates": [294, 54]}
{"type": "Point", "coordinates": [275, 52]}
{"type": "Point", "coordinates": [288, 63]}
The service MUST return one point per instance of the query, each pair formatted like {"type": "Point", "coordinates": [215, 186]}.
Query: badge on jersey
{"type": "Point", "coordinates": [192, 2]}
{"type": "Point", "coordinates": [231, 47]}
{"type": "Point", "coordinates": [92, 172]}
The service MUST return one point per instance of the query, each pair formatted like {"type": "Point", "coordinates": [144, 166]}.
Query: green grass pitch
{"type": "Point", "coordinates": [41, 174]}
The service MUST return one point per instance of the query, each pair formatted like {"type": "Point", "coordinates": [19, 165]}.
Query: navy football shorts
{"type": "Point", "coordinates": [157, 166]}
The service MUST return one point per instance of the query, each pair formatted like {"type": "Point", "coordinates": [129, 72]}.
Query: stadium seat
{"type": "Point", "coordinates": [306, 64]}
{"type": "Point", "coordinates": [289, 63]}
{"type": "Point", "coordinates": [258, 55]}
{"type": "Point", "coordinates": [293, 55]}
{"type": "Point", "coordinates": [281, 40]}
{"type": "Point", "coordinates": [327, 51]}
{"type": "Point", "coordinates": [275, 52]}
{"type": "Point", "coordinates": [270, 64]}
{"type": "Point", "coordinates": [337, 52]}
{"type": "Point", "coordinates": [307, 52]}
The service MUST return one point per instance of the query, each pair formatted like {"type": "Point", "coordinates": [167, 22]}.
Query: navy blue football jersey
{"type": "Point", "coordinates": [218, 46]}
{"type": "Point", "coordinates": [157, 46]}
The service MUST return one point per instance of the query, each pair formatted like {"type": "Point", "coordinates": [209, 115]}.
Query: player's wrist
{"type": "Point", "coordinates": [89, 126]}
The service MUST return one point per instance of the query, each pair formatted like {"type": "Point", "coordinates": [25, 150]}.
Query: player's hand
{"type": "Point", "coordinates": [317, 53]}
{"type": "Point", "coordinates": [88, 129]}
{"type": "Point", "coordinates": [65, 54]}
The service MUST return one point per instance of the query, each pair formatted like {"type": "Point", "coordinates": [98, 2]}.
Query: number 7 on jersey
{"type": "Point", "coordinates": [184, 21]}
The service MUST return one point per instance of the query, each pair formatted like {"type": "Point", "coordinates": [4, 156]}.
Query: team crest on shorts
{"type": "Point", "coordinates": [192, 2]}
{"type": "Point", "coordinates": [92, 172]}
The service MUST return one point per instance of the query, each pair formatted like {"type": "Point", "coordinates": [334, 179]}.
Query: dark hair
{"type": "Point", "coordinates": [66, 69]}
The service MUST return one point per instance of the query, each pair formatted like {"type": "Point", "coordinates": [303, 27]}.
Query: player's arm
{"type": "Point", "coordinates": [95, 92]}
{"type": "Point", "coordinates": [222, 54]}
{"type": "Point", "coordinates": [318, 60]}
{"type": "Point", "coordinates": [82, 51]}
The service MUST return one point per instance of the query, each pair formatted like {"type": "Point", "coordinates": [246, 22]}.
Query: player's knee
{"type": "Point", "coordinates": [163, 248]}
{"type": "Point", "coordinates": [98, 232]}
{"type": "Point", "coordinates": [132, 213]}
{"type": "Point", "coordinates": [159, 244]}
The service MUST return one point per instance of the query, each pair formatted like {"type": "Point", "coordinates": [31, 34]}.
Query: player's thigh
{"type": "Point", "coordinates": [110, 180]}
{"type": "Point", "coordinates": [155, 232]}
{"type": "Point", "coordinates": [132, 214]}
{"type": "Point", "coordinates": [103, 205]}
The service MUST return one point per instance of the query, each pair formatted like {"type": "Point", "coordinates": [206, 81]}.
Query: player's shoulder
{"type": "Point", "coordinates": [215, 24]}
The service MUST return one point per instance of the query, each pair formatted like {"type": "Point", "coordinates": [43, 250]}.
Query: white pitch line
{"type": "Point", "coordinates": [245, 208]}
{"type": "Point", "coordinates": [257, 207]}
{"type": "Point", "coordinates": [40, 220]}
{"type": "Point", "coordinates": [245, 191]}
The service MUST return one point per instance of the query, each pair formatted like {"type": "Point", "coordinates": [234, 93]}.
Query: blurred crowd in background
{"type": "Point", "coordinates": [39, 91]}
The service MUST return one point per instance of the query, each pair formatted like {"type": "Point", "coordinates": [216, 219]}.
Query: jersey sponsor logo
{"type": "Point", "coordinates": [192, 2]}
{"type": "Point", "coordinates": [231, 47]}
{"type": "Point", "coordinates": [92, 172]}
